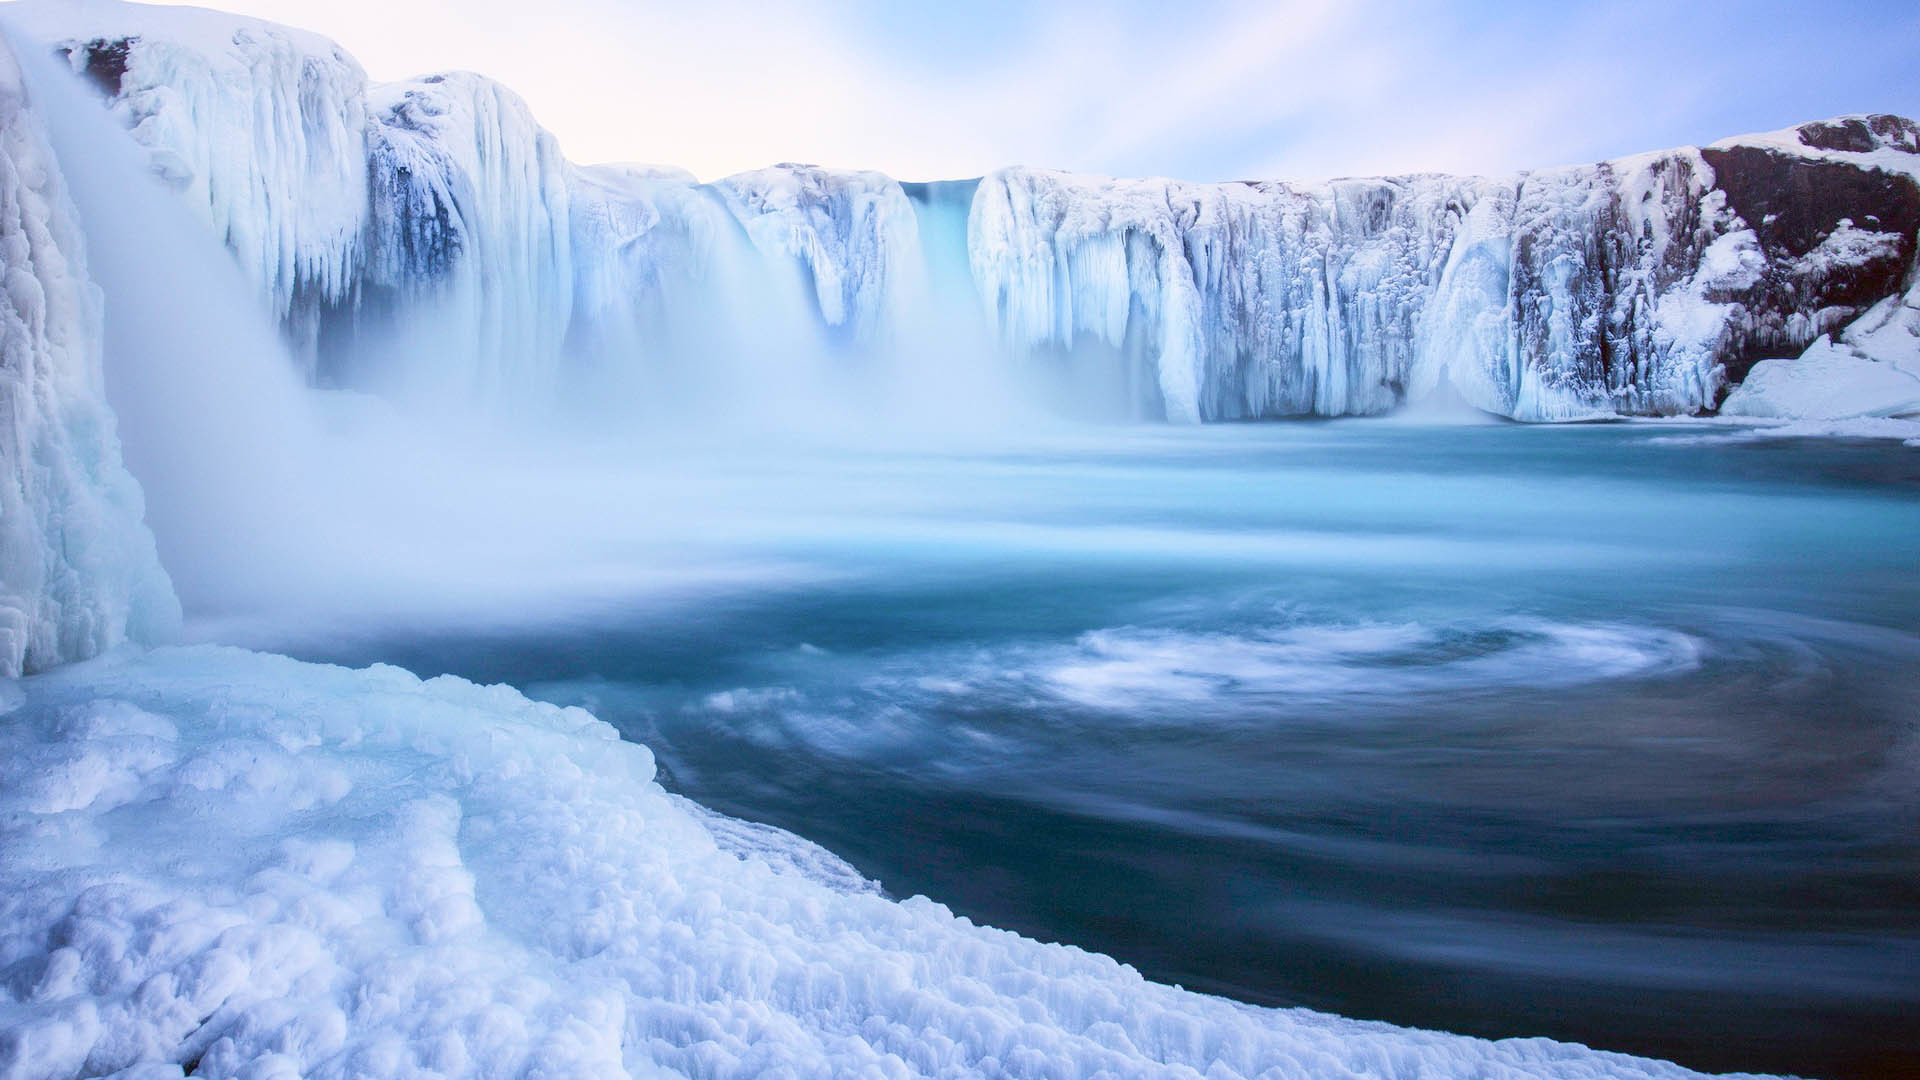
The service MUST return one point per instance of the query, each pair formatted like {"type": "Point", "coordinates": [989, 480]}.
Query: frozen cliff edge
{"type": "Point", "coordinates": [436, 878]}
{"type": "Point", "coordinates": [428, 236]}
{"type": "Point", "coordinates": [1641, 286]}
{"type": "Point", "coordinates": [78, 568]}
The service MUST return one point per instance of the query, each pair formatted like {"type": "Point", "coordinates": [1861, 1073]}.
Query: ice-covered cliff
{"type": "Point", "coordinates": [78, 569]}
{"type": "Point", "coordinates": [429, 234]}
{"type": "Point", "coordinates": [1633, 287]}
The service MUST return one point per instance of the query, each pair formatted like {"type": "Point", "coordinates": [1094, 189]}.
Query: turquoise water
{"type": "Point", "coordinates": [1606, 733]}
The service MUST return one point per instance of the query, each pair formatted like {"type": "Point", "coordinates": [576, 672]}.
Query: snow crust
{"type": "Point", "coordinates": [78, 569]}
{"type": "Point", "coordinates": [257, 867]}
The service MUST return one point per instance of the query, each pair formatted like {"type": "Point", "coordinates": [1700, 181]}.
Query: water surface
{"type": "Point", "coordinates": [1606, 733]}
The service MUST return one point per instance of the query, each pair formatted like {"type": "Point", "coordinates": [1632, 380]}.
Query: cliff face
{"type": "Point", "coordinates": [428, 235]}
{"type": "Point", "coordinates": [1641, 287]}
{"type": "Point", "coordinates": [1838, 231]}
{"type": "Point", "coordinates": [78, 569]}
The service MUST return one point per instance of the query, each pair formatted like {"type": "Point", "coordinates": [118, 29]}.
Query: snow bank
{"type": "Point", "coordinates": [1871, 370]}
{"type": "Point", "coordinates": [78, 569]}
{"type": "Point", "coordinates": [1827, 382]}
{"type": "Point", "coordinates": [252, 866]}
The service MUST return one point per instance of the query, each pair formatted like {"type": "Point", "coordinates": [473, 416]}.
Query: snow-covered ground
{"type": "Point", "coordinates": [242, 865]}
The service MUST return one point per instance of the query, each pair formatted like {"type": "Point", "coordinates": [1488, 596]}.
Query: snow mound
{"type": "Point", "coordinates": [1871, 370]}
{"type": "Point", "coordinates": [240, 864]}
{"type": "Point", "coordinates": [1827, 382]}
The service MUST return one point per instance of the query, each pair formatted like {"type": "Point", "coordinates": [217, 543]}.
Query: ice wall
{"type": "Point", "coordinates": [1633, 287]}
{"type": "Point", "coordinates": [78, 569]}
{"type": "Point", "coordinates": [467, 263]}
{"type": "Point", "coordinates": [428, 236]}
{"type": "Point", "coordinates": [261, 127]}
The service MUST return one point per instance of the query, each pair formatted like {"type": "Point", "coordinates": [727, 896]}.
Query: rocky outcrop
{"type": "Point", "coordinates": [1838, 236]}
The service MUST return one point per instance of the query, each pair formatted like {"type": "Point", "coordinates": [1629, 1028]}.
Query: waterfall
{"type": "Point", "coordinates": [78, 570]}
{"type": "Point", "coordinates": [215, 422]}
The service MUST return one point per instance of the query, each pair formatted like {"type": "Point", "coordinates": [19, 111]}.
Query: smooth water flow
{"type": "Point", "coordinates": [1603, 733]}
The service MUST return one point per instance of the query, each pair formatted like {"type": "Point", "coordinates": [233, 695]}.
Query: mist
{"type": "Point", "coordinates": [667, 452]}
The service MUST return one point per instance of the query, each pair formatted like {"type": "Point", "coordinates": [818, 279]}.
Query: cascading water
{"type": "Point", "coordinates": [79, 573]}
{"type": "Point", "coordinates": [214, 421]}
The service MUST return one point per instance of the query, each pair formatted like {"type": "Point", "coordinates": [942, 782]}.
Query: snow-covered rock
{"type": "Point", "coordinates": [1872, 370]}
{"type": "Point", "coordinates": [1827, 382]}
{"type": "Point", "coordinates": [78, 569]}
{"type": "Point", "coordinates": [440, 879]}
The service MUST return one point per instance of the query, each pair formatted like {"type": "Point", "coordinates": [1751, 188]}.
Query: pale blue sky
{"type": "Point", "coordinates": [1217, 89]}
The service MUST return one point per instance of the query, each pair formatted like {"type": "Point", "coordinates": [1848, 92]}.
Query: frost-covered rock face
{"type": "Point", "coordinates": [428, 236]}
{"type": "Point", "coordinates": [78, 570]}
{"type": "Point", "coordinates": [1628, 287]}
{"type": "Point", "coordinates": [441, 879]}
{"type": "Point", "coordinates": [855, 233]}
{"type": "Point", "coordinates": [467, 245]}
{"type": "Point", "coordinates": [262, 128]}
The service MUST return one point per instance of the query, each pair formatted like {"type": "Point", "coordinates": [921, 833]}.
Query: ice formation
{"type": "Point", "coordinates": [1869, 369]}
{"type": "Point", "coordinates": [1624, 288]}
{"type": "Point", "coordinates": [428, 234]}
{"type": "Point", "coordinates": [78, 568]}
{"type": "Point", "coordinates": [855, 233]}
{"type": "Point", "coordinates": [442, 879]}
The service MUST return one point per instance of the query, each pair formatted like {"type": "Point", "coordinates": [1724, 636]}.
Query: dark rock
{"type": "Point", "coordinates": [103, 61]}
{"type": "Point", "coordinates": [1794, 204]}
{"type": "Point", "coordinates": [1850, 134]}
{"type": "Point", "coordinates": [1862, 134]}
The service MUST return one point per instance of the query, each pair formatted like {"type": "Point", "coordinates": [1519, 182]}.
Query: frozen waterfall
{"type": "Point", "coordinates": [79, 567]}
{"type": "Point", "coordinates": [427, 239]}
